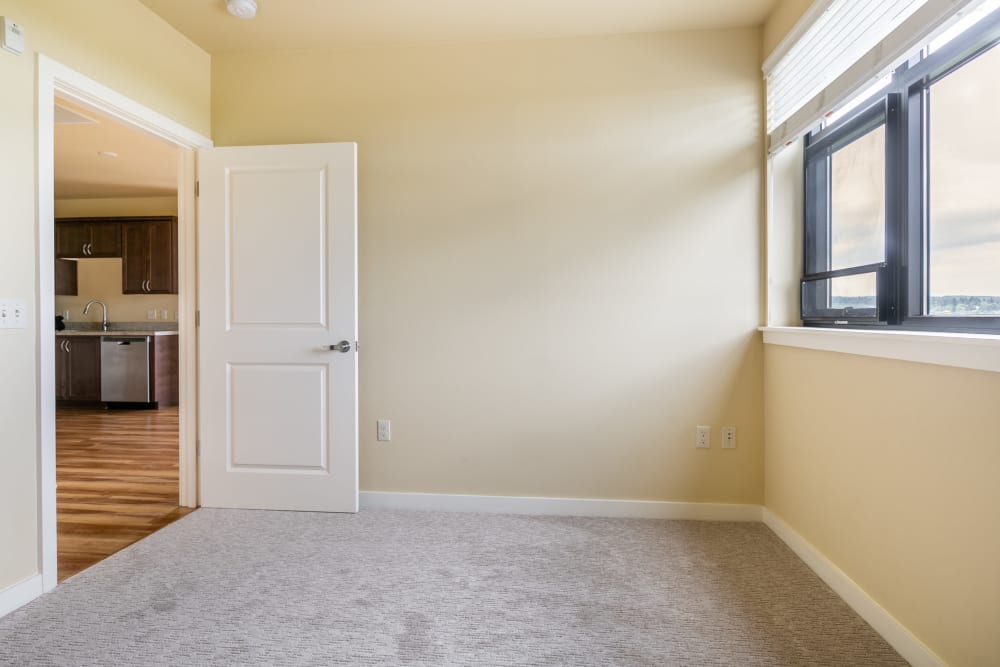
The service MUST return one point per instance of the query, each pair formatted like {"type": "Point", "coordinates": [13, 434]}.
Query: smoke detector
{"type": "Point", "coordinates": [243, 9]}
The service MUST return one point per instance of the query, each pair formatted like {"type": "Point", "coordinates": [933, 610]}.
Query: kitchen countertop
{"type": "Point", "coordinates": [114, 332]}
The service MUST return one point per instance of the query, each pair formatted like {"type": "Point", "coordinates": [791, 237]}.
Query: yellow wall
{"type": "Point", "coordinates": [124, 46]}
{"type": "Point", "coordinates": [890, 469]}
{"type": "Point", "coordinates": [559, 255]}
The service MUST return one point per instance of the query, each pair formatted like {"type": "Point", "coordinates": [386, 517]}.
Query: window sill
{"type": "Point", "coordinates": [976, 351]}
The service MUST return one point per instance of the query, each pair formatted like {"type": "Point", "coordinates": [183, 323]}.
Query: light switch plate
{"type": "Point", "coordinates": [11, 36]}
{"type": "Point", "coordinates": [12, 314]}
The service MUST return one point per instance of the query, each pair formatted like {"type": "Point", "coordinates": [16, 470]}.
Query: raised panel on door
{"type": "Point", "coordinates": [135, 257]}
{"type": "Point", "coordinates": [65, 277]}
{"type": "Point", "coordinates": [105, 239]}
{"type": "Point", "coordinates": [162, 259]}
{"type": "Point", "coordinates": [84, 368]}
{"type": "Point", "coordinates": [70, 239]}
{"type": "Point", "coordinates": [286, 231]}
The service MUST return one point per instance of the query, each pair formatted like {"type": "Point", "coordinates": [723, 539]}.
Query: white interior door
{"type": "Point", "coordinates": [277, 258]}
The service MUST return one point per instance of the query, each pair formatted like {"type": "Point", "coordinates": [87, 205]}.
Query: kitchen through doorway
{"type": "Point", "coordinates": [116, 335]}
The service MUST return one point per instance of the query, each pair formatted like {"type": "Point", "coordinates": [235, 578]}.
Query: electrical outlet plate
{"type": "Point", "coordinates": [729, 437]}
{"type": "Point", "coordinates": [384, 430]}
{"type": "Point", "coordinates": [703, 437]}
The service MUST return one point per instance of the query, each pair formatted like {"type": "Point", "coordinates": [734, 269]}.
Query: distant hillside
{"type": "Point", "coordinates": [940, 305]}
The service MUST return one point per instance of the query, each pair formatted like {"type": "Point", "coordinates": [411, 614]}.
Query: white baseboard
{"type": "Point", "coordinates": [634, 509]}
{"type": "Point", "coordinates": [20, 594]}
{"type": "Point", "coordinates": [905, 642]}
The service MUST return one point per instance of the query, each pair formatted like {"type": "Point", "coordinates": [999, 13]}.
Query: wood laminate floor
{"type": "Point", "coordinates": [117, 481]}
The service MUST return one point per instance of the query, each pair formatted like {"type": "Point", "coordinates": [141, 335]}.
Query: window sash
{"type": "Point", "coordinates": [901, 282]}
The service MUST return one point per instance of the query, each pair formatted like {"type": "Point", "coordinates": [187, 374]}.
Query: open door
{"type": "Point", "coordinates": [277, 258]}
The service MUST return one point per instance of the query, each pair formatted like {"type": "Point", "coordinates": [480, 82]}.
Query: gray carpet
{"type": "Point", "coordinates": [223, 587]}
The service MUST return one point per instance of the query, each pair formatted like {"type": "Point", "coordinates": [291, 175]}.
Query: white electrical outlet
{"type": "Point", "coordinates": [703, 439]}
{"type": "Point", "coordinates": [164, 315]}
{"type": "Point", "coordinates": [151, 314]}
{"type": "Point", "coordinates": [729, 437]}
{"type": "Point", "coordinates": [12, 315]}
{"type": "Point", "coordinates": [384, 430]}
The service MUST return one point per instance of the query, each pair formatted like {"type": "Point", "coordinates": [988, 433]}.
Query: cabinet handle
{"type": "Point", "coordinates": [86, 249]}
{"type": "Point", "coordinates": [67, 346]}
{"type": "Point", "coordinates": [144, 288]}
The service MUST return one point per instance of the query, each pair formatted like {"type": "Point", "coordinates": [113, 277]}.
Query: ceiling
{"type": "Point", "coordinates": [145, 166]}
{"type": "Point", "coordinates": [340, 24]}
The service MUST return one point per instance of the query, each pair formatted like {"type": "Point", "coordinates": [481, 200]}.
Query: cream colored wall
{"type": "Point", "coordinates": [123, 45]}
{"type": "Point", "coordinates": [784, 17]}
{"type": "Point", "coordinates": [101, 279]}
{"type": "Point", "coordinates": [890, 469]}
{"type": "Point", "coordinates": [559, 255]}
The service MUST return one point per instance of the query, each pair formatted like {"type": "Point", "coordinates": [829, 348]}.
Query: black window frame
{"type": "Point", "coordinates": [901, 279]}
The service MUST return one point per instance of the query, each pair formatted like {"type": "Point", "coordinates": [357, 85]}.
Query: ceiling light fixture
{"type": "Point", "coordinates": [243, 9]}
{"type": "Point", "coordinates": [107, 153]}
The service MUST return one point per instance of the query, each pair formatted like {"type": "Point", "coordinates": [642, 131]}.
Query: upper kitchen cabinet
{"type": "Point", "coordinates": [65, 277]}
{"type": "Point", "coordinates": [86, 237]}
{"type": "Point", "coordinates": [149, 256]}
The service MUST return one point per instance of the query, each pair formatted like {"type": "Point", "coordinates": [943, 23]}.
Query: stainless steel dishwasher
{"type": "Point", "coordinates": [125, 369]}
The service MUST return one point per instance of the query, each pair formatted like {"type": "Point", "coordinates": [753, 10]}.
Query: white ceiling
{"type": "Point", "coordinates": [145, 166]}
{"type": "Point", "coordinates": [338, 24]}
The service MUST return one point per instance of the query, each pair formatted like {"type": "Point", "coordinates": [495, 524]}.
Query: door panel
{"type": "Point", "coordinates": [281, 222]}
{"type": "Point", "coordinates": [279, 417]}
{"type": "Point", "coordinates": [277, 287]}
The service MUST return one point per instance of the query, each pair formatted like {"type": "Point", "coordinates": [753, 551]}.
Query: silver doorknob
{"type": "Point", "coordinates": [342, 346]}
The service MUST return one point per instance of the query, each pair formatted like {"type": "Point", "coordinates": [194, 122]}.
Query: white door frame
{"type": "Point", "coordinates": [55, 78]}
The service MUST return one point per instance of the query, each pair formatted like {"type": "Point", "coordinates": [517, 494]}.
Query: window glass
{"type": "Point", "coordinates": [857, 202]}
{"type": "Point", "coordinates": [853, 291]}
{"type": "Point", "coordinates": [964, 191]}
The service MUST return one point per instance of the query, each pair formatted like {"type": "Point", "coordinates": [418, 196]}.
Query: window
{"type": "Point", "coordinates": [902, 196]}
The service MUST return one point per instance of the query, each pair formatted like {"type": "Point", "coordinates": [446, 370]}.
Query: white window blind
{"type": "Point", "coordinates": [839, 48]}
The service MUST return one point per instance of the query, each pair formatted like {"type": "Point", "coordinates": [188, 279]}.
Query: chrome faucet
{"type": "Point", "coordinates": [104, 308]}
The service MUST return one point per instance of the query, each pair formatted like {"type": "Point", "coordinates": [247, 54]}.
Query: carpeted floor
{"type": "Point", "coordinates": [222, 587]}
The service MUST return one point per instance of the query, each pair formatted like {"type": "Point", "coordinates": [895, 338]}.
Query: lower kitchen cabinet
{"type": "Point", "coordinates": [164, 384]}
{"type": "Point", "coordinates": [78, 368]}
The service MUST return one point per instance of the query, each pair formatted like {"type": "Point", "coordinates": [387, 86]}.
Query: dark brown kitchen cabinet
{"type": "Point", "coordinates": [149, 256]}
{"type": "Point", "coordinates": [65, 277]}
{"type": "Point", "coordinates": [87, 237]}
{"type": "Point", "coordinates": [78, 368]}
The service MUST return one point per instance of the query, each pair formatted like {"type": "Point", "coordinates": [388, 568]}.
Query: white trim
{"type": "Point", "coordinates": [814, 11]}
{"type": "Point", "coordinates": [20, 594]}
{"type": "Point", "coordinates": [927, 22]}
{"type": "Point", "coordinates": [976, 351]}
{"type": "Point", "coordinates": [633, 509]}
{"type": "Point", "coordinates": [895, 633]}
{"type": "Point", "coordinates": [53, 78]}
{"type": "Point", "coordinates": [187, 304]}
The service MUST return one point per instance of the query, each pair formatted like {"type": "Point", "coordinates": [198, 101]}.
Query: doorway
{"type": "Point", "coordinates": [56, 80]}
{"type": "Point", "coordinates": [117, 413]}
